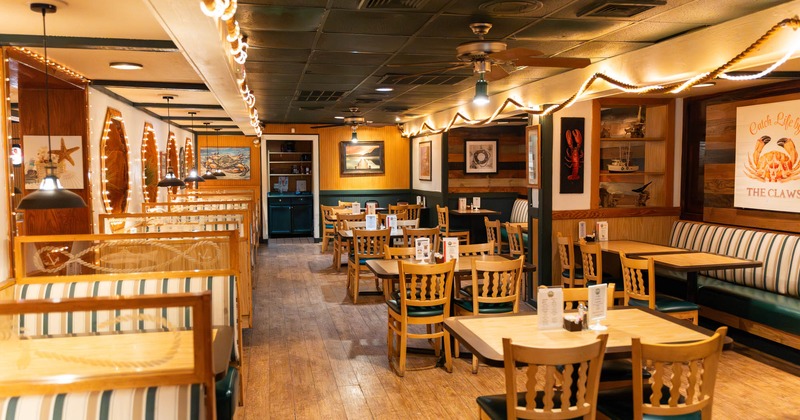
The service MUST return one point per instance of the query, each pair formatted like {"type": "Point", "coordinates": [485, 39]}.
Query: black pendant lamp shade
{"type": "Point", "coordinates": [218, 172]}
{"type": "Point", "coordinates": [208, 174]}
{"type": "Point", "coordinates": [51, 194]}
{"type": "Point", "coordinates": [193, 176]}
{"type": "Point", "coordinates": [170, 180]}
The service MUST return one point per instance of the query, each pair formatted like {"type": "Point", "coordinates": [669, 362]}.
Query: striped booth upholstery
{"type": "Point", "coordinates": [223, 312]}
{"type": "Point", "coordinates": [519, 214]}
{"type": "Point", "coordinates": [768, 295]}
{"type": "Point", "coordinates": [162, 402]}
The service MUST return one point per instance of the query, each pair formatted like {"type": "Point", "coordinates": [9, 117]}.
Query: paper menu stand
{"type": "Point", "coordinates": [476, 203]}
{"type": "Point", "coordinates": [462, 204]}
{"type": "Point", "coordinates": [550, 308]}
{"type": "Point", "coordinates": [356, 208]}
{"type": "Point", "coordinates": [450, 250]}
{"type": "Point", "coordinates": [423, 248]}
{"type": "Point", "coordinates": [391, 221]}
{"type": "Point", "coordinates": [598, 305]}
{"type": "Point", "coordinates": [602, 231]}
{"type": "Point", "coordinates": [370, 208]}
{"type": "Point", "coordinates": [419, 199]}
{"type": "Point", "coordinates": [372, 222]}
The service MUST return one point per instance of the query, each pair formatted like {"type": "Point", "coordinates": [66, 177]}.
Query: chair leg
{"type": "Point", "coordinates": [456, 349]}
{"type": "Point", "coordinates": [337, 258]}
{"type": "Point", "coordinates": [474, 364]}
{"type": "Point", "coordinates": [354, 283]}
{"type": "Point", "coordinates": [401, 365]}
{"type": "Point", "coordinates": [448, 357]}
{"type": "Point", "coordinates": [325, 239]}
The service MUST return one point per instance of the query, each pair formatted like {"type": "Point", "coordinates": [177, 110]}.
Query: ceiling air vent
{"type": "Point", "coordinates": [511, 8]}
{"type": "Point", "coordinates": [422, 79]}
{"type": "Point", "coordinates": [319, 95]}
{"type": "Point", "coordinates": [392, 4]}
{"type": "Point", "coordinates": [394, 109]}
{"type": "Point", "coordinates": [618, 8]}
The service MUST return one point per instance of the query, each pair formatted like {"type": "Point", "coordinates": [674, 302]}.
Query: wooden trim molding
{"type": "Point", "coordinates": [616, 212]}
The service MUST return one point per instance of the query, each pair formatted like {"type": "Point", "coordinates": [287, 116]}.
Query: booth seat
{"type": "Point", "coordinates": [519, 214]}
{"type": "Point", "coordinates": [223, 312]}
{"type": "Point", "coordinates": [764, 301]}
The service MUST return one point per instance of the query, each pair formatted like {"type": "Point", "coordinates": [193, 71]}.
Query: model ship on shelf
{"type": "Point", "coordinates": [623, 163]}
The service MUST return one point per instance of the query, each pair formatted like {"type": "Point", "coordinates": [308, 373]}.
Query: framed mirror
{"type": "Point", "coordinates": [114, 166]}
{"type": "Point", "coordinates": [150, 170]}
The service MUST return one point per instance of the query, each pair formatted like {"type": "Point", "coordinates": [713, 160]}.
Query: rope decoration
{"type": "Point", "coordinates": [206, 251]}
{"type": "Point", "coordinates": [674, 87]}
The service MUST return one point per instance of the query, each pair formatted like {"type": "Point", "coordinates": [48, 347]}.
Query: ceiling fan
{"type": "Point", "coordinates": [353, 121]}
{"type": "Point", "coordinates": [493, 60]}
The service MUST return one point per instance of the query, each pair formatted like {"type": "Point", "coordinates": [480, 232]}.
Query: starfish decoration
{"type": "Point", "coordinates": [65, 153]}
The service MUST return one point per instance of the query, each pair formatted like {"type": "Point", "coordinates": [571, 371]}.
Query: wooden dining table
{"type": "Point", "coordinates": [483, 335]}
{"type": "Point", "coordinates": [477, 229]}
{"type": "Point", "coordinates": [637, 248]}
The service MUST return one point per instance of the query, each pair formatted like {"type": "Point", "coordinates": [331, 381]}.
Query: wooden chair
{"type": "Point", "coordinates": [367, 244]}
{"type": "Point", "coordinates": [592, 267]}
{"type": "Point", "coordinates": [639, 278]}
{"type": "Point", "coordinates": [574, 295]}
{"type": "Point", "coordinates": [443, 216]}
{"type": "Point", "coordinates": [681, 384]}
{"type": "Point", "coordinates": [495, 289]}
{"type": "Point", "coordinates": [542, 399]}
{"type": "Point", "coordinates": [413, 211]}
{"type": "Point", "coordinates": [493, 233]}
{"type": "Point", "coordinates": [400, 210]}
{"type": "Point", "coordinates": [571, 276]}
{"type": "Point", "coordinates": [476, 249]}
{"type": "Point", "coordinates": [516, 247]}
{"type": "Point", "coordinates": [396, 253]}
{"type": "Point", "coordinates": [328, 222]}
{"type": "Point", "coordinates": [346, 203]}
{"type": "Point", "coordinates": [424, 300]}
{"type": "Point", "coordinates": [409, 235]}
{"type": "Point", "coordinates": [341, 246]}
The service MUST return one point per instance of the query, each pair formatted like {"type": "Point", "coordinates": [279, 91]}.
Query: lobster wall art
{"type": "Point", "coordinates": [572, 152]}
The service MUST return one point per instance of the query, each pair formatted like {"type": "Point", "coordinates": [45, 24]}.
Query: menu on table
{"type": "Point", "coordinates": [423, 249]}
{"type": "Point", "coordinates": [391, 223]}
{"type": "Point", "coordinates": [372, 221]}
{"type": "Point", "coordinates": [370, 208]}
{"type": "Point", "coordinates": [550, 308]}
{"type": "Point", "coordinates": [356, 208]}
{"type": "Point", "coordinates": [598, 305]}
{"type": "Point", "coordinates": [450, 248]}
{"type": "Point", "coordinates": [462, 204]}
{"type": "Point", "coordinates": [476, 203]}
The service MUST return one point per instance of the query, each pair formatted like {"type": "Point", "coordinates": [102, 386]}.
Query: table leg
{"type": "Point", "coordinates": [691, 286]}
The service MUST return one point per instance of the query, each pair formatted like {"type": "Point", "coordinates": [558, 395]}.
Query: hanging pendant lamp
{"type": "Point", "coordinates": [218, 172]}
{"type": "Point", "coordinates": [51, 194]}
{"type": "Point", "coordinates": [208, 174]}
{"type": "Point", "coordinates": [193, 176]}
{"type": "Point", "coordinates": [170, 180]}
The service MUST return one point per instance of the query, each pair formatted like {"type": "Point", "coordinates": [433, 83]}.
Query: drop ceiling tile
{"type": "Point", "coordinates": [648, 32]}
{"type": "Point", "coordinates": [277, 54]}
{"type": "Point", "coordinates": [570, 29]}
{"type": "Point", "coordinates": [710, 12]}
{"type": "Point", "coordinates": [570, 11]}
{"type": "Point", "coordinates": [473, 8]}
{"type": "Point", "coordinates": [434, 46]}
{"type": "Point", "coordinates": [430, 6]}
{"type": "Point", "coordinates": [378, 23]}
{"type": "Point", "coordinates": [340, 69]}
{"type": "Point", "coordinates": [254, 67]}
{"type": "Point", "coordinates": [259, 79]}
{"type": "Point", "coordinates": [344, 58]}
{"type": "Point", "coordinates": [295, 3]}
{"type": "Point", "coordinates": [276, 39]}
{"type": "Point", "coordinates": [279, 18]}
{"type": "Point", "coordinates": [604, 49]}
{"type": "Point", "coordinates": [360, 43]}
{"type": "Point", "coordinates": [329, 78]}
{"type": "Point", "coordinates": [261, 84]}
{"type": "Point", "coordinates": [453, 26]}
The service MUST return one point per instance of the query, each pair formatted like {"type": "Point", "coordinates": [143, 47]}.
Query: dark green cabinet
{"type": "Point", "coordinates": [291, 215]}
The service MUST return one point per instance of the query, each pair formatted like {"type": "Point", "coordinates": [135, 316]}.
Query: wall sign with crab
{"type": "Point", "coordinates": [234, 161]}
{"type": "Point", "coordinates": [767, 161]}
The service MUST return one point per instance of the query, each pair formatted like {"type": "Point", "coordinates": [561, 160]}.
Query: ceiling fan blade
{"type": "Point", "coordinates": [566, 62]}
{"type": "Point", "coordinates": [515, 54]}
{"type": "Point", "coordinates": [430, 63]}
{"type": "Point", "coordinates": [497, 73]}
{"type": "Point", "coordinates": [327, 126]}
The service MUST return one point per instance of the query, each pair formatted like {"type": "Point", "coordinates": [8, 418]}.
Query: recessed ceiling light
{"type": "Point", "coordinates": [384, 89]}
{"type": "Point", "coordinates": [338, 117]}
{"type": "Point", "coordinates": [125, 66]}
{"type": "Point", "coordinates": [705, 84]}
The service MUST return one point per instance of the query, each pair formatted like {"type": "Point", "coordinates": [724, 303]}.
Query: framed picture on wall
{"type": "Point", "coordinates": [572, 178]}
{"type": "Point", "coordinates": [425, 161]}
{"type": "Point", "coordinates": [233, 161]}
{"type": "Point", "coordinates": [162, 167]}
{"type": "Point", "coordinates": [480, 156]}
{"type": "Point", "coordinates": [362, 158]}
{"type": "Point", "coordinates": [533, 149]}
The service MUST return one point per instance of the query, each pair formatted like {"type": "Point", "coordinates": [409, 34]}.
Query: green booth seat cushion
{"type": "Point", "coordinates": [778, 311]}
{"type": "Point", "coordinates": [227, 394]}
{"type": "Point", "coordinates": [416, 311]}
{"type": "Point", "coordinates": [504, 236]}
{"type": "Point", "coordinates": [328, 226]}
{"type": "Point", "coordinates": [485, 308]}
{"type": "Point", "coordinates": [495, 405]}
{"type": "Point", "coordinates": [616, 404]}
{"type": "Point", "coordinates": [609, 278]}
{"type": "Point", "coordinates": [666, 304]}
{"type": "Point", "coordinates": [578, 273]}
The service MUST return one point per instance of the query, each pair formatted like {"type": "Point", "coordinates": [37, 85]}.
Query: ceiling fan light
{"type": "Point", "coordinates": [354, 137]}
{"type": "Point", "coordinates": [481, 92]}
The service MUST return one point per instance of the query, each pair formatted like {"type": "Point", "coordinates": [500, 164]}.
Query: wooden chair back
{"type": "Point", "coordinates": [412, 211]}
{"type": "Point", "coordinates": [493, 234]}
{"type": "Point", "coordinates": [399, 252]}
{"type": "Point", "coordinates": [496, 282]}
{"type": "Point", "coordinates": [574, 295]}
{"type": "Point", "coordinates": [577, 367]}
{"type": "Point", "coordinates": [409, 235]}
{"type": "Point", "coordinates": [516, 247]}
{"type": "Point", "coordinates": [638, 276]}
{"type": "Point", "coordinates": [566, 254]}
{"type": "Point", "coordinates": [351, 217]}
{"type": "Point", "coordinates": [369, 243]}
{"type": "Point", "coordinates": [346, 203]}
{"type": "Point", "coordinates": [476, 249]}
{"type": "Point", "coordinates": [426, 285]}
{"type": "Point", "coordinates": [591, 261]}
{"type": "Point", "coordinates": [400, 210]}
{"type": "Point", "coordinates": [683, 376]}
{"type": "Point", "coordinates": [328, 213]}
{"type": "Point", "coordinates": [413, 223]}
{"type": "Point", "coordinates": [356, 225]}
{"type": "Point", "coordinates": [443, 217]}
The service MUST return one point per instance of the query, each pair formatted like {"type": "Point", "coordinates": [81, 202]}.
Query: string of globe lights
{"type": "Point", "coordinates": [52, 64]}
{"type": "Point", "coordinates": [225, 11]}
{"type": "Point", "coordinates": [674, 87]}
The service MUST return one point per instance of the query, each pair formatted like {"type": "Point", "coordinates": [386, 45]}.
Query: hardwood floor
{"type": "Point", "coordinates": [312, 354]}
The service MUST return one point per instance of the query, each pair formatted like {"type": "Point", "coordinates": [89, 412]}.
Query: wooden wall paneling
{"type": "Point", "coordinates": [396, 152]}
{"type": "Point", "coordinates": [511, 176]}
{"type": "Point", "coordinates": [720, 172]}
{"type": "Point", "coordinates": [68, 116]}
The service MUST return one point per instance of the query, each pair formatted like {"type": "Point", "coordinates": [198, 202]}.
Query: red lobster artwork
{"type": "Point", "coordinates": [574, 155]}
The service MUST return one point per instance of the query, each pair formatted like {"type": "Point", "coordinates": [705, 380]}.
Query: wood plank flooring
{"type": "Point", "coordinates": [312, 354]}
